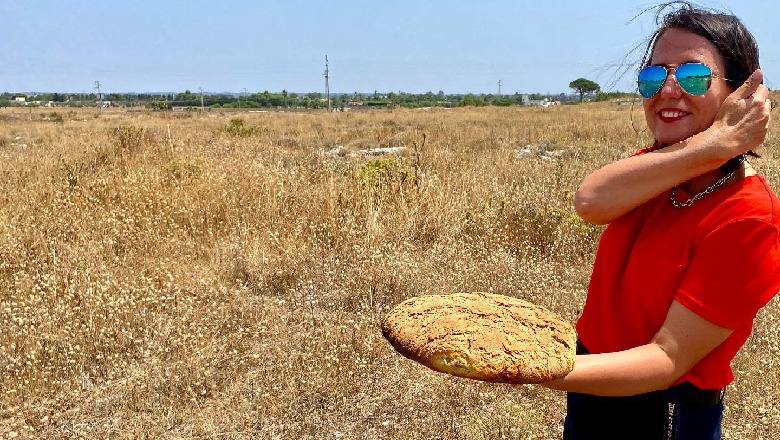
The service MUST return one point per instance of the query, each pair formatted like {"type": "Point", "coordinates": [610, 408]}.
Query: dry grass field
{"type": "Point", "coordinates": [222, 276]}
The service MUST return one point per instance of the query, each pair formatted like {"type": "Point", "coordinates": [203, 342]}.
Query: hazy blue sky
{"type": "Point", "coordinates": [412, 46]}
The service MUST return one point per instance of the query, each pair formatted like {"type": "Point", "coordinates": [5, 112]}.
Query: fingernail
{"type": "Point", "coordinates": [754, 75]}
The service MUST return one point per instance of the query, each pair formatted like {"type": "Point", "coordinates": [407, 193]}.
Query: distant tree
{"type": "Point", "coordinates": [187, 99]}
{"type": "Point", "coordinates": [313, 100]}
{"type": "Point", "coordinates": [584, 86]}
{"type": "Point", "coordinates": [471, 100]}
{"type": "Point", "coordinates": [606, 96]}
{"type": "Point", "coordinates": [394, 99]}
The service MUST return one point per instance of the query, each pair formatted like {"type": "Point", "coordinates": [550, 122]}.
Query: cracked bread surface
{"type": "Point", "coordinates": [482, 336]}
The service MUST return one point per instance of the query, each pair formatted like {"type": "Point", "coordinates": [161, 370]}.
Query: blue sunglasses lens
{"type": "Point", "coordinates": [693, 78]}
{"type": "Point", "coordinates": [651, 78]}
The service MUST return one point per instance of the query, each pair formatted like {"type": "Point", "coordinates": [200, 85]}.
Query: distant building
{"type": "Point", "coordinates": [20, 99]}
{"type": "Point", "coordinates": [546, 102]}
{"type": "Point", "coordinates": [182, 109]}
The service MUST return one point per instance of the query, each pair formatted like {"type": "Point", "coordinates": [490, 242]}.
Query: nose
{"type": "Point", "coordinates": [670, 88]}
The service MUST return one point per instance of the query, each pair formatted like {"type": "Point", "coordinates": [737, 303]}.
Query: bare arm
{"type": "Point", "coordinates": [619, 187]}
{"type": "Point", "coordinates": [683, 340]}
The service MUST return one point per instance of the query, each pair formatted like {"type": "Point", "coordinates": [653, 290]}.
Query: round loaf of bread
{"type": "Point", "coordinates": [483, 336]}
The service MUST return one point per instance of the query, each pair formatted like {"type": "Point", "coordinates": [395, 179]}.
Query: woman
{"type": "Point", "coordinates": [691, 252]}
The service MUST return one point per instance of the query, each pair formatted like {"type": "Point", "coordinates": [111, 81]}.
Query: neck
{"type": "Point", "coordinates": [700, 183]}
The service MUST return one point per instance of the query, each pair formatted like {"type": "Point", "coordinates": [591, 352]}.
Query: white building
{"type": "Point", "coordinates": [546, 102]}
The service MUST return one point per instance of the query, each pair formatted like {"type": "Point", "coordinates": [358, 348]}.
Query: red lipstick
{"type": "Point", "coordinates": [670, 115]}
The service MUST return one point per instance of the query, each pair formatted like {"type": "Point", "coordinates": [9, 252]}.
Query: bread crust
{"type": "Point", "coordinates": [483, 336]}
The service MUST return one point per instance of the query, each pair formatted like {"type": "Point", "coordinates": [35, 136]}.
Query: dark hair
{"type": "Point", "coordinates": [725, 31]}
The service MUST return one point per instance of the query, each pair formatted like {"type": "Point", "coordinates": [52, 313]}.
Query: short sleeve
{"type": "Point", "coordinates": [734, 272]}
{"type": "Point", "coordinates": [644, 150]}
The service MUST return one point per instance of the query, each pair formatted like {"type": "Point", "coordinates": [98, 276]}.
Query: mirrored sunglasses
{"type": "Point", "coordinates": [693, 78]}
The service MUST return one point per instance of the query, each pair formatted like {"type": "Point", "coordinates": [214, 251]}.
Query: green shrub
{"type": "Point", "coordinates": [130, 139]}
{"type": "Point", "coordinates": [381, 172]}
{"type": "Point", "coordinates": [236, 127]}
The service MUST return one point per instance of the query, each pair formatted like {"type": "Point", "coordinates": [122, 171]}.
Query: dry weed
{"type": "Point", "coordinates": [210, 276]}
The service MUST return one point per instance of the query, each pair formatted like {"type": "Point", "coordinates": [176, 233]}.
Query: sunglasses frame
{"type": "Point", "coordinates": [672, 69]}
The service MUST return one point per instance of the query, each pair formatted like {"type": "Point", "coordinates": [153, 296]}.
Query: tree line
{"type": "Point", "coordinates": [313, 100]}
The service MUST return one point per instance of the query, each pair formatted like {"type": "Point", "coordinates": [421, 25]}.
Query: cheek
{"type": "Point", "coordinates": [707, 115]}
{"type": "Point", "coordinates": [719, 95]}
{"type": "Point", "coordinates": [708, 109]}
{"type": "Point", "coordinates": [649, 113]}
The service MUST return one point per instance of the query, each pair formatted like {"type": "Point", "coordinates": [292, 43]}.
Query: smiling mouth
{"type": "Point", "coordinates": [671, 115]}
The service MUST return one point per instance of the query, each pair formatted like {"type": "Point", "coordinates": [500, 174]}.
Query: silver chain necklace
{"type": "Point", "coordinates": [699, 195]}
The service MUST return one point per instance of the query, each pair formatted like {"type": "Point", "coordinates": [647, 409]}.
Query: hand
{"type": "Point", "coordinates": [743, 120]}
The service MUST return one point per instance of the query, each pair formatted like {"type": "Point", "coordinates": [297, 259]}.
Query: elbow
{"type": "Point", "coordinates": [672, 367]}
{"type": "Point", "coordinates": [587, 209]}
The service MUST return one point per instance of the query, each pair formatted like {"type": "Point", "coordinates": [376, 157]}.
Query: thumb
{"type": "Point", "coordinates": [750, 85]}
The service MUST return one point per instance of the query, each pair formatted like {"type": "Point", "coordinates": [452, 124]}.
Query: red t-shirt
{"type": "Point", "coordinates": [719, 257]}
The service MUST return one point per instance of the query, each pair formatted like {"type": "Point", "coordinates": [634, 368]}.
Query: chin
{"type": "Point", "coordinates": [669, 140]}
{"type": "Point", "coordinates": [672, 138]}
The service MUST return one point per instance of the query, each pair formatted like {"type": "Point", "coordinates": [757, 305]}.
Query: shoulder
{"type": "Point", "coordinates": [751, 198]}
{"type": "Point", "coordinates": [745, 206]}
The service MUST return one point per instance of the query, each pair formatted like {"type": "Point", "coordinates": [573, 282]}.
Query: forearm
{"type": "Point", "coordinates": [635, 371]}
{"type": "Point", "coordinates": [619, 187]}
{"type": "Point", "coordinates": [683, 340]}
{"type": "Point", "coordinates": [740, 125]}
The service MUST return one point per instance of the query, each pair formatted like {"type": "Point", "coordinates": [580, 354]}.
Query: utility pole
{"type": "Point", "coordinates": [499, 88]}
{"type": "Point", "coordinates": [201, 98]}
{"type": "Point", "coordinates": [100, 96]}
{"type": "Point", "coordinates": [327, 84]}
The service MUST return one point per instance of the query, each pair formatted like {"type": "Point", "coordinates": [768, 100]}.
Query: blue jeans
{"type": "Point", "coordinates": [651, 416]}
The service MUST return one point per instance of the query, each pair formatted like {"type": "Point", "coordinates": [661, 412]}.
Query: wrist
{"type": "Point", "coordinates": [710, 147]}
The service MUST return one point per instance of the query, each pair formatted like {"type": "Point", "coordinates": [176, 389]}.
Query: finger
{"type": "Point", "coordinates": [751, 85]}
{"type": "Point", "coordinates": [761, 93]}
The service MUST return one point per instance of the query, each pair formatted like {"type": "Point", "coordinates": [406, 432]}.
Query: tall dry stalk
{"type": "Point", "coordinates": [222, 276]}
